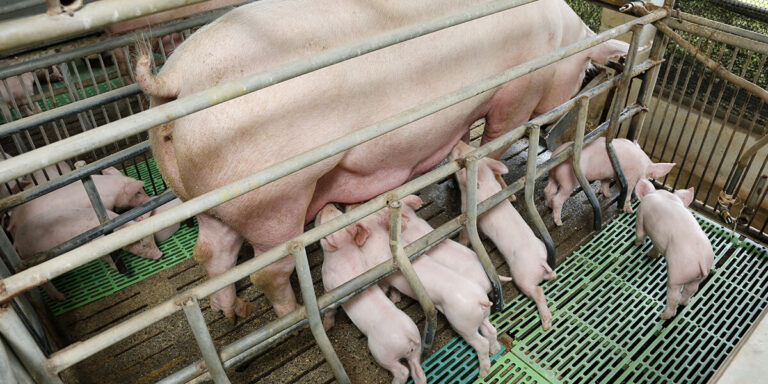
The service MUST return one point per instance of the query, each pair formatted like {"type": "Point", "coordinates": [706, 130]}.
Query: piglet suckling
{"type": "Point", "coordinates": [596, 165]}
{"type": "Point", "coordinates": [524, 253]}
{"type": "Point", "coordinates": [663, 217]}
{"type": "Point", "coordinates": [392, 335]}
{"type": "Point", "coordinates": [463, 302]}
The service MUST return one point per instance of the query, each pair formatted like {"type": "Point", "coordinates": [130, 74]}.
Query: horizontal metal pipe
{"type": "Point", "coordinates": [720, 36]}
{"type": "Point", "coordinates": [108, 133]}
{"type": "Point", "coordinates": [68, 109]}
{"type": "Point", "coordinates": [108, 44]}
{"type": "Point", "coordinates": [43, 29]}
{"type": "Point", "coordinates": [100, 230]}
{"type": "Point", "coordinates": [69, 178]}
{"type": "Point", "coordinates": [44, 272]}
{"type": "Point", "coordinates": [19, 5]}
{"type": "Point", "coordinates": [722, 27]}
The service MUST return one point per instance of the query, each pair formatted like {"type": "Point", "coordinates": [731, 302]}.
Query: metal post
{"type": "Point", "coordinates": [582, 103]}
{"type": "Point", "coordinates": [404, 264]}
{"type": "Point", "coordinates": [530, 180]}
{"type": "Point", "coordinates": [313, 312]}
{"type": "Point", "coordinates": [17, 370]}
{"type": "Point", "coordinates": [6, 373]}
{"type": "Point", "coordinates": [646, 87]}
{"type": "Point", "coordinates": [13, 330]}
{"type": "Point", "coordinates": [474, 237]}
{"type": "Point", "coordinates": [618, 106]}
{"type": "Point", "coordinates": [196, 321]}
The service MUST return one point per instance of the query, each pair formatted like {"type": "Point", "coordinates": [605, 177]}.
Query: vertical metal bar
{"type": "Point", "coordinates": [204, 342]}
{"type": "Point", "coordinates": [13, 330]}
{"type": "Point", "coordinates": [474, 237]}
{"type": "Point", "coordinates": [6, 374]}
{"type": "Point", "coordinates": [313, 312]}
{"type": "Point", "coordinates": [582, 103]}
{"type": "Point", "coordinates": [618, 105]}
{"type": "Point", "coordinates": [404, 264]}
{"type": "Point", "coordinates": [17, 370]}
{"type": "Point", "coordinates": [530, 179]}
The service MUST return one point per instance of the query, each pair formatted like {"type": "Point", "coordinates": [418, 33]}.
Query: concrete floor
{"type": "Point", "coordinates": [167, 346]}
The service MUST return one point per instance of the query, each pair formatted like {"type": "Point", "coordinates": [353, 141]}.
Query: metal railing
{"type": "Point", "coordinates": [46, 370]}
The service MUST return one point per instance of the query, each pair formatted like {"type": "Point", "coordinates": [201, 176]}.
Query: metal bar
{"type": "Point", "coordinates": [6, 372]}
{"type": "Point", "coordinates": [530, 179]}
{"type": "Point", "coordinates": [62, 181]}
{"type": "Point", "coordinates": [98, 137]}
{"type": "Point", "coordinates": [17, 370]}
{"type": "Point", "coordinates": [6, 247]}
{"type": "Point", "coordinates": [313, 312]}
{"type": "Point", "coordinates": [259, 340]}
{"type": "Point", "coordinates": [722, 27]}
{"type": "Point", "coordinates": [112, 260]}
{"type": "Point", "coordinates": [404, 265]}
{"type": "Point", "coordinates": [578, 143]}
{"type": "Point", "coordinates": [474, 236]}
{"type": "Point", "coordinates": [647, 85]}
{"type": "Point", "coordinates": [17, 336]}
{"type": "Point", "coordinates": [203, 337]}
{"type": "Point", "coordinates": [19, 5]}
{"type": "Point", "coordinates": [715, 35]}
{"type": "Point", "coordinates": [618, 106]}
{"type": "Point", "coordinates": [44, 29]}
{"type": "Point", "coordinates": [68, 109]}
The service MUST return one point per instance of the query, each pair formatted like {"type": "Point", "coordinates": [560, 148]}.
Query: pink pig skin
{"type": "Point", "coordinates": [663, 216]}
{"type": "Point", "coordinates": [463, 302]}
{"type": "Point", "coordinates": [165, 233]}
{"type": "Point", "coordinates": [596, 165]}
{"type": "Point", "coordinates": [525, 254]}
{"type": "Point", "coordinates": [58, 224]}
{"type": "Point", "coordinates": [229, 141]}
{"type": "Point", "coordinates": [392, 335]}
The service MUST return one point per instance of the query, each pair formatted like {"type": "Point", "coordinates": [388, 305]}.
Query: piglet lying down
{"type": "Point", "coordinates": [663, 216]}
{"type": "Point", "coordinates": [392, 335]}
{"type": "Point", "coordinates": [463, 302]}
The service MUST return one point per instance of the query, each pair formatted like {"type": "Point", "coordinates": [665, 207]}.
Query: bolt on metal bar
{"type": "Point", "coordinates": [474, 236]}
{"type": "Point", "coordinates": [15, 34]}
{"type": "Point", "coordinates": [404, 265]}
{"type": "Point", "coordinates": [17, 336]}
{"type": "Point", "coordinates": [313, 313]}
{"type": "Point", "coordinates": [203, 337]}
{"type": "Point", "coordinates": [530, 205]}
{"type": "Point", "coordinates": [259, 340]}
{"type": "Point", "coordinates": [139, 122]}
{"type": "Point", "coordinates": [582, 103]}
{"type": "Point", "coordinates": [618, 106]}
{"type": "Point", "coordinates": [75, 353]}
{"type": "Point", "coordinates": [69, 178]}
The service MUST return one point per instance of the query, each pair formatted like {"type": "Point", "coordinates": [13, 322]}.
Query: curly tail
{"type": "Point", "coordinates": [156, 86]}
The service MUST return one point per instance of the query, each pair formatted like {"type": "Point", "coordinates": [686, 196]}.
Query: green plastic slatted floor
{"type": "Point", "coordinates": [605, 306]}
{"type": "Point", "coordinates": [95, 280]}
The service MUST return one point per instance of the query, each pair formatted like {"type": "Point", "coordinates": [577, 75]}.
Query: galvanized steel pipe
{"type": "Point", "coordinates": [203, 337]}
{"type": "Point", "coordinates": [17, 336]}
{"type": "Point", "coordinates": [582, 104]}
{"type": "Point", "coordinates": [530, 179]}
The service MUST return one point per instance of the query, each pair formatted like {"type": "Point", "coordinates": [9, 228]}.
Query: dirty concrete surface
{"type": "Point", "coordinates": [165, 347]}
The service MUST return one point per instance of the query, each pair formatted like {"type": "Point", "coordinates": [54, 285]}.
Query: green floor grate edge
{"type": "Point", "coordinates": [605, 306]}
{"type": "Point", "coordinates": [96, 280]}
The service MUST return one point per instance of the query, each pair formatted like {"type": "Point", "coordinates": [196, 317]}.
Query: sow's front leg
{"type": "Point", "coordinates": [216, 250]}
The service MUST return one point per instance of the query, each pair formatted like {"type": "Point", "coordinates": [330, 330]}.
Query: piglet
{"type": "Point", "coordinates": [42, 232]}
{"type": "Point", "coordinates": [675, 233]}
{"type": "Point", "coordinates": [167, 232]}
{"type": "Point", "coordinates": [463, 302]}
{"type": "Point", "coordinates": [525, 254]}
{"type": "Point", "coordinates": [596, 165]}
{"type": "Point", "coordinates": [392, 335]}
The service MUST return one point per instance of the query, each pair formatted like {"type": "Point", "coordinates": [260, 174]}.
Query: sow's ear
{"type": "Point", "coordinates": [608, 50]}
{"type": "Point", "coordinates": [497, 167]}
{"type": "Point", "coordinates": [643, 188]}
{"type": "Point", "coordinates": [685, 195]}
{"type": "Point", "coordinates": [412, 201]}
{"type": "Point", "coordinates": [360, 233]}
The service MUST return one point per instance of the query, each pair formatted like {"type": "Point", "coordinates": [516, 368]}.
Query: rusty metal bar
{"type": "Point", "coordinates": [474, 236]}
{"type": "Point", "coordinates": [313, 312]}
{"type": "Point", "coordinates": [203, 337]}
{"type": "Point", "coordinates": [403, 263]}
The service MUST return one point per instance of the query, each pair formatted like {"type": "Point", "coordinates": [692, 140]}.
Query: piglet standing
{"type": "Point", "coordinates": [464, 303]}
{"type": "Point", "coordinates": [392, 335]}
{"type": "Point", "coordinates": [596, 165]}
{"type": "Point", "coordinates": [663, 216]}
{"type": "Point", "coordinates": [525, 254]}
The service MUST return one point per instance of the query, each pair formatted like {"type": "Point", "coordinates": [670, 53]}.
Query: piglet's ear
{"type": "Point", "coordinates": [658, 170]}
{"type": "Point", "coordinates": [328, 244]}
{"type": "Point", "coordinates": [110, 171]}
{"type": "Point", "coordinates": [497, 167]}
{"type": "Point", "coordinates": [643, 188]}
{"type": "Point", "coordinates": [361, 234]}
{"type": "Point", "coordinates": [685, 195]}
{"type": "Point", "coordinates": [412, 201]}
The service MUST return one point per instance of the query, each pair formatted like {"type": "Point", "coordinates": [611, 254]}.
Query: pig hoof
{"type": "Point", "coordinates": [628, 208]}
{"type": "Point", "coordinates": [558, 222]}
{"type": "Point", "coordinates": [328, 323]}
{"type": "Point", "coordinates": [484, 369]}
{"type": "Point", "coordinates": [512, 198]}
{"type": "Point", "coordinates": [546, 324]}
{"type": "Point", "coordinates": [394, 296]}
{"type": "Point", "coordinates": [495, 348]}
{"type": "Point", "coordinates": [666, 315]}
{"type": "Point", "coordinates": [639, 242]}
{"type": "Point", "coordinates": [242, 308]}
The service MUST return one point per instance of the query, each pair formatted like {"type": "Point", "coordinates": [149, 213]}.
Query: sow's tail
{"type": "Point", "coordinates": [157, 86]}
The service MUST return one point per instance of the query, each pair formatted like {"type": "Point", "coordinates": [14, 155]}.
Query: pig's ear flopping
{"type": "Point", "coordinates": [643, 188]}
{"type": "Point", "coordinates": [657, 170]}
{"type": "Point", "coordinates": [685, 195]}
{"type": "Point", "coordinates": [497, 167]}
{"type": "Point", "coordinates": [412, 201]}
